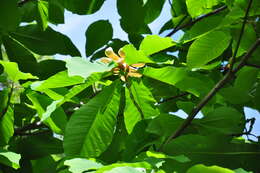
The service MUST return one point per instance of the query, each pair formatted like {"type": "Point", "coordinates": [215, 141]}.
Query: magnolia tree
{"type": "Point", "coordinates": [118, 114]}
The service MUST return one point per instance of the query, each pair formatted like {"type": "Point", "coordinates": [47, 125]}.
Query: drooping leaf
{"type": "Point", "coordinates": [90, 129]}
{"type": "Point", "coordinates": [43, 14]}
{"type": "Point", "coordinates": [152, 10]}
{"type": "Point", "coordinates": [58, 80]}
{"type": "Point", "coordinates": [140, 105]}
{"type": "Point", "coordinates": [6, 126]}
{"type": "Point", "coordinates": [207, 48]}
{"type": "Point", "coordinates": [10, 158]}
{"type": "Point", "coordinates": [13, 72]}
{"type": "Point", "coordinates": [94, 40]}
{"type": "Point", "coordinates": [48, 42]}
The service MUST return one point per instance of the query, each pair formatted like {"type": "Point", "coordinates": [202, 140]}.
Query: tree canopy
{"type": "Point", "coordinates": [114, 111]}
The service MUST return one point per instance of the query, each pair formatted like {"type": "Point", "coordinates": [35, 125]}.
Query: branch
{"type": "Point", "coordinates": [233, 58]}
{"type": "Point", "coordinates": [172, 98]}
{"type": "Point", "coordinates": [212, 93]}
{"type": "Point", "coordinates": [196, 20]}
{"type": "Point", "coordinates": [33, 126]}
{"type": "Point", "coordinates": [252, 65]}
{"type": "Point", "coordinates": [22, 2]}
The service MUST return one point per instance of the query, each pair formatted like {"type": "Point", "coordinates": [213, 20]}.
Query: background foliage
{"type": "Point", "coordinates": [82, 115]}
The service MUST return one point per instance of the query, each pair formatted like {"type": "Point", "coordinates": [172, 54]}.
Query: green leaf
{"type": "Point", "coordinates": [61, 79]}
{"type": "Point", "coordinates": [125, 169]}
{"type": "Point", "coordinates": [78, 66]}
{"type": "Point", "coordinates": [10, 158]}
{"type": "Point", "coordinates": [44, 164]}
{"type": "Point", "coordinates": [134, 56]}
{"type": "Point", "coordinates": [9, 16]}
{"type": "Point", "coordinates": [207, 48]}
{"type": "Point", "coordinates": [71, 93]}
{"type": "Point", "coordinates": [82, 6]}
{"type": "Point", "coordinates": [79, 165]}
{"type": "Point", "coordinates": [154, 43]}
{"type": "Point", "coordinates": [13, 72]}
{"type": "Point", "coordinates": [57, 120]}
{"type": "Point", "coordinates": [140, 104]}
{"type": "Point", "coordinates": [90, 129]}
{"type": "Point", "coordinates": [222, 120]}
{"type": "Point", "coordinates": [6, 127]}
{"type": "Point", "coordinates": [43, 14]}
{"type": "Point", "coordinates": [37, 146]}
{"type": "Point", "coordinates": [208, 169]}
{"type": "Point", "coordinates": [199, 7]}
{"type": "Point", "coordinates": [97, 36]}
{"type": "Point", "coordinates": [56, 11]}
{"type": "Point", "coordinates": [22, 56]}
{"type": "Point", "coordinates": [48, 42]}
{"type": "Point", "coordinates": [152, 10]}
{"type": "Point", "coordinates": [107, 168]}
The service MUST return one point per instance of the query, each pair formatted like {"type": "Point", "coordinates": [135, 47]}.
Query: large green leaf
{"type": "Point", "coordinates": [37, 146]}
{"type": "Point", "coordinates": [135, 56]}
{"type": "Point", "coordinates": [79, 165]}
{"type": "Point", "coordinates": [214, 150]}
{"type": "Point", "coordinates": [58, 80]}
{"type": "Point", "coordinates": [91, 128]}
{"type": "Point", "coordinates": [6, 126]}
{"type": "Point", "coordinates": [207, 48]}
{"type": "Point", "coordinates": [57, 120]}
{"type": "Point", "coordinates": [140, 104]}
{"type": "Point", "coordinates": [10, 158]}
{"type": "Point", "coordinates": [199, 7]}
{"type": "Point", "coordinates": [153, 43]}
{"type": "Point", "coordinates": [82, 6]}
{"type": "Point", "coordinates": [13, 72]}
{"type": "Point", "coordinates": [152, 10]}
{"type": "Point", "coordinates": [9, 15]}
{"type": "Point", "coordinates": [97, 36]}
{"type": "Point", "coordinates": [18, 53]}
{"type": "Point", "coordinates": [222, 120]}
{"type": "Point", "coordinates": [208, 169]}
{"type": "Point", "coordinates": [71, 93]}
{"type": "Point", "coordinates": [48, 42]}
{"type": "Point", "coordinates": [78, 66]}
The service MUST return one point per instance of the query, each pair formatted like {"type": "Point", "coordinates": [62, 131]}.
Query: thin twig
{"type": "Point", "coordinates": [196, 20]}
{"type": "Point", "coordinates": [172, 98]}
{"type": "Point", "coordinates": [252, 65]}
{"type": "Point", "coordinates": [233, 58]}
{"type": "Point", "coordinates": [212, 93]}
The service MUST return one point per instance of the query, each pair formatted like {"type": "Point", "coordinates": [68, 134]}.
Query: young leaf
{"type": "Point", "coordinates": [209, 169]}
{"type": "Point", "coordinates": [78, 66]}
{"type": "Point", "coordinates": [10, 158]}
{"type": "Point", "coordinates": [79, 165]}
{"type": "Point", "coordinates": [153, 43]}
{"type": "Point", "coordinates": [207, 48]}
{"type": "Point", "coordinates": [13, 72]}
{"type": "Point", "coordinates": [97, 35]}
{"type": "Point", "coordinates": [91, 128]}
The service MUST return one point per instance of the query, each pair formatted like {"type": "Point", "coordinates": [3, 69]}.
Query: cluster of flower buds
{"type": "Point", "coordinates": [122, 69]}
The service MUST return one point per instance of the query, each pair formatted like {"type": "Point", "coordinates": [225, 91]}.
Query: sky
{"type": "Point", "coordinates": [75, 27]}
